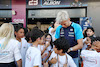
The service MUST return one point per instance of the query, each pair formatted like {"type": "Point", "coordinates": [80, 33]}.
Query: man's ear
{"type": "Point", "coordinates": [69, 19]}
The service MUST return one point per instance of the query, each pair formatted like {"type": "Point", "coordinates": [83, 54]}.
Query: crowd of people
{"type": "Point", "coordinates": [64, 45]}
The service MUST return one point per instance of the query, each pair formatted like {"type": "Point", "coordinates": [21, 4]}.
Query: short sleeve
{"type": "Point", "coordinates": [78, 31]}
{"type": "Point", "coordinates": [52, 55]}
{"type": "Point", "coordinates": [49, 28]}
{"type": "Point", "coordinates": [57, 34]}
{"type": "Point", "coordinates": [17, 53]}
{"type": "Point", "coordinates": [37, 59]}
{"type": "Point", "coordinates": [70, 61]}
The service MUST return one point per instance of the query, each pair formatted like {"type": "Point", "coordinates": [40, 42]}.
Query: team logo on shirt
{"type": "Point", "coordinates": [71, 29]}
{"type": "Point", "coordinates": [28, 56]}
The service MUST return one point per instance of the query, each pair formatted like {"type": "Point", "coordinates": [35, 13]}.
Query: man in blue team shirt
{"type": "Point", "coordinates": [72, 32]}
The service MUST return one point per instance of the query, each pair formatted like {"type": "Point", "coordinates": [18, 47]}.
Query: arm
{"type": "Point", "coordinates": [45, 48]}
{"type": "Point", "coordinates": [17, 55]}
{"type": "Point", "coordinates": [55, 26]}
{"type": "Point", "coordinates": [53, 61]}
{"type": "Point", "coordinates": [78, 37]}
{"type": "Point", "coordinates": [36, 66]}
{"type": "Point", "coordinates": [47, 57]}
{"type": "Point", "coordinates": [78, 46]}
{"type": "Point", "coordinates": [19, 63]}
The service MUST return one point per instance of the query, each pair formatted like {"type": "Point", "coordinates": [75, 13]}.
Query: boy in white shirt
{"type": "Point", "coordinates": [91, 58]}
{"type": "Point", "coordinates": [33, 55]}
{"type": "Point", "coordinates": [59, 57]}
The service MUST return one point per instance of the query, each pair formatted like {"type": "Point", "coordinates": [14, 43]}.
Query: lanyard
{"type": "Point", "coordinates": [59, 60]}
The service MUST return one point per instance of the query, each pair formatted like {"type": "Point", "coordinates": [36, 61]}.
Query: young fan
{"type": "Point", "coordinates": [59, 57]}
{"type": "Point", "coordinates": [91, 57]}
{"type": "Point", "coordinates": [33, 55]}
{"type": "Point", "coordinates": [89, 32]}
{"type": "Point", "coordinates": [9, 51]}
{"type": "Point", "coordinates": [19, 33]}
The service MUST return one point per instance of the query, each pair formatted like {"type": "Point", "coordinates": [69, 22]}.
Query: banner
{"type": "Point", "coordinates": [19, 11]}
{"type": "Point", "coordinates": [55, 3]}
{"type": "Point", "coordinates": [85, 22]}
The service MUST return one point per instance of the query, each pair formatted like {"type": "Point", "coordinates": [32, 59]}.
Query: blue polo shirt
{"type": "Point", "coordinates": [72, 34]}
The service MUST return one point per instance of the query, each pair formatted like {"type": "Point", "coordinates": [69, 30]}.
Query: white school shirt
{"type": "Point", "coordinates": [52, 34]}
{"type": "Point", "coordinates": [33, 57]}
{"type": "Point", "coordinates": [23, 46]}
{"type": "Point", "coordinates": [62, 60]}
{"type": "Point", "coordinates": [11, 51]}
{"type": "Point", "coordinates": [90, 58]}
{"type": "Point", "coordinates": [29, 44]}
{"type": "Point", "coordinates": [41, 47]}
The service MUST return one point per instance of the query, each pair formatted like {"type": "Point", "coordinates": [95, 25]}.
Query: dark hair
{"type": "Point", "coordinates": [27, 36]}
{"type": "Point", "coordinates": [25, 30]}
{"type": "Point", "coordinates": [36, 27]}
{"type": "Point", "coordinates": [36, 33]}
{"type": "Point", "coordinates": [62, 43]}
{"type": "Point", "coordinates": [51, 39]}
{"type": "Point", "coordinates": [85, 34]}
{"type": "Point", "coordinates": [17, 28]}
{"type": "Point", "coordinates": [46, 31]}
{"type": "Point", "coordinates": [95, 39]}
{"type": "Point", "coordinates": [90, 28]}
{"type": "Point", "coordinates": [20, 24]}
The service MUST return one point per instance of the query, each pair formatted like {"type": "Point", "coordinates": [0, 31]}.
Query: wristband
{"type": "Point", "coordinates": [71, 49]}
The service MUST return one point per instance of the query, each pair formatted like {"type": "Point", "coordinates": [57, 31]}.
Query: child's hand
{"type": "Point", "coordinates": [65, 65]}
{"type": "Point", "coordinates": [47, 44]}
{"type": "Point", "coordinates": [54, 60]}
{"type": "Point", "coordinates": [45, 64]}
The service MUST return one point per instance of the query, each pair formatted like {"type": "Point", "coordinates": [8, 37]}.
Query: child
{"type": "Point", "coordinates": [48, 40]}
{"type": "Point", "coordinates": [46, 48]}
{"type": "Point", "coordinates": [59, 57]}
{"type": "Point", "coordinates": [9, 47]}
{"type": "Point", "coordinates": [19, 33]}
{"type": "Point", "coordinates": [91, 57]}
{"type": "Point", "coordinates": [88, 32]}
{"type": "Point", "coordinates": [33, 55]}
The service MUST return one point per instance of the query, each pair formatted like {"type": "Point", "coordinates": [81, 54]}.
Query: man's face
{"type": "Point", "coordinates": [65, 23]}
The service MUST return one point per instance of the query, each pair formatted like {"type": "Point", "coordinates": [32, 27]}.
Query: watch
{"type": "Point", "coordinates": [71, 49]}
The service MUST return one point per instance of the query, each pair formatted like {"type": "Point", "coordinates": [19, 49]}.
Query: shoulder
{"type": "Point", "coordinates": [13, 41]}
{"type": "Point", "coordinates": [68, 56]}
{"type": "Point", "coordinates": [36, 50]}
{"type": "Point", "coordinates": [75, 25]}
{"type": "Point", "coordinates": [59, 27]}
{"type": "Point", "coordinates": [53, 54]}
{"type": "Point", "coordinates": [84, 51]}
